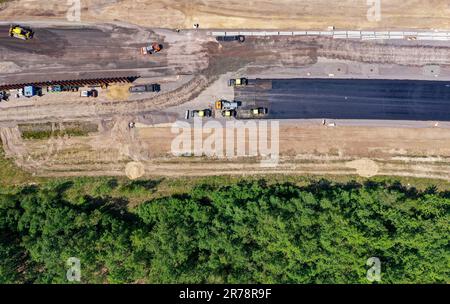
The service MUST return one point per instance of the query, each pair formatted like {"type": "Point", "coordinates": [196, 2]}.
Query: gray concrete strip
{"type": "Point", "coordinates": [363, 35]}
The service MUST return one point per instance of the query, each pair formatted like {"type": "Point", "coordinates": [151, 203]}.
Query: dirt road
{"type": "Point", "coordinates": [305, 149]}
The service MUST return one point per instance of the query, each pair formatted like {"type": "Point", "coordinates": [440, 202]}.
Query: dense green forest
{"type": "Point", "coordinates": [243, 232]}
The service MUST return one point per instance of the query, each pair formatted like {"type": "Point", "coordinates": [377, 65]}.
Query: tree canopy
{"type": "Point", "coordinates": [244, 232]}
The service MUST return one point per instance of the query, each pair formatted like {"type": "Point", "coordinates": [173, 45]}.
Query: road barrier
{"type": "Point", "coordinates": [361, 35]}
{"type": "Point", "coordinates": [76, 82]}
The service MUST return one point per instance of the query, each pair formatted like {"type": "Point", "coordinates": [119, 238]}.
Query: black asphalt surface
{"type": "Point", "coordinates": [349, 99]}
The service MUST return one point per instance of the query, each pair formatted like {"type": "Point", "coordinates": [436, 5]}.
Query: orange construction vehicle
{"type": "Point", "coordinates": [155, 47]}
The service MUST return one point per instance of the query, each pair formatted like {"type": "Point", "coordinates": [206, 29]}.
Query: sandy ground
{"type": "Point", "coordinates": [307, 148]}
{"type": "Point", "coordinates": [263, 14]}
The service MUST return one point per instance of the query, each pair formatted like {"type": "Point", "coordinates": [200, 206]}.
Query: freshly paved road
{"type": "Point", "coordinates": [350, 99]}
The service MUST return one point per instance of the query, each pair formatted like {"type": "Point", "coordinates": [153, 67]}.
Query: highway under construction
{"type": "Point", "coordinates": [375, 99]}
{"type": "Point", "coordinates": [309, 82]}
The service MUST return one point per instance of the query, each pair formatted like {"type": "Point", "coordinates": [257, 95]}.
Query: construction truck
{"type": "Point", "coordinates": [69, 88]}
{"type": "Point", "coordinates": [227, 105]}
{"type": "Point", "coordinates": [239, 82]}
{"type": "Point", "coordinates": [89, 93]}
{"type": "Point", "coordinates": [154, 87]}
{"type": "Point", "coordinates": [18, 93]}
{"type": "Point", "coordinates": [54, 89]}
{"type": "Point", "coordinates": [155, 47]}
{"type": "Point", "coordinates": [20, 32]}
{"type": "Point", "coordinates": [201, 113]}
{"type": "Point", "coordinates": [239, 38]}
{"type": "Point", "coordinates": [30, 91]}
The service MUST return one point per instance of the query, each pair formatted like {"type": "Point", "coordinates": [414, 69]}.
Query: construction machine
{"type": "Point", "coordinates": [154, 87]}
{"type": "Point", "coordinates": [30, 91]}
{"type": "Point", "coordinates": [259, 111]}
{"type": "Point", "coordinates": [226, 105]}
{"type": "Point", "coordinates": [229, 113]}
{"type": "Point", "coordinates": [239, 38]}
{"type": "Point", "coordinates": [201, 113]}
{"type": "Point", "coordinates": [20, 32]}
{"type": "Point", "coordinates": [3, 95]}
{"type": "Point", "coordinates": [89, 93]}
{"type": "Point", "coordinates": [155, 47]}
{"type": "Point", "coordinates": [239, 82]}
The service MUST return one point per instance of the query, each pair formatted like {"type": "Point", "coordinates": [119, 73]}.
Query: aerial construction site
{"type": "Point", "coordinates": [214, 143]}
{"type": "Point", "coordinates": [107, 90]}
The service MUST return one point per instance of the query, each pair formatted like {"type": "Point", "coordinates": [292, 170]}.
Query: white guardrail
{"type": "Point", "coordinates": [362, 35]}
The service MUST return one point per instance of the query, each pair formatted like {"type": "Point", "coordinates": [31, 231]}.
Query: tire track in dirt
{"type": "Point", "coordinates": [12, 142]}
{"type": "Point", "coordinates": [372, 52]}
{"type": "Point", "coordinates": [77, 111]}
{"type": "Point", "coordinates": [203, 167]}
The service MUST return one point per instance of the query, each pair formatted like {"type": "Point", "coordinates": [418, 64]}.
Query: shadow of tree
{"type": "Point", "coordinates": [112, 183]}
{"type": "Point", "coordinates": [115, 206]}
{"type": "Point", "coordinates": [445, 194]}
{"type": "Point", "coordinates": [61, 188]}
{"type": "Point", "coordinates": [141, 184]}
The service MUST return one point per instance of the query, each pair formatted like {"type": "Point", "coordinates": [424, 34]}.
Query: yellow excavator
{"type": "Point", "coordinates": [20, 32]}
